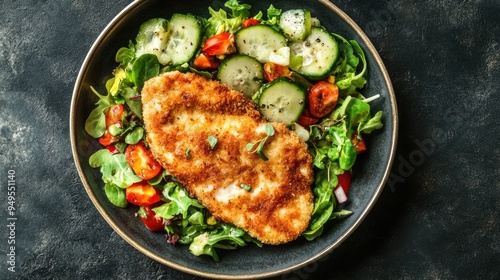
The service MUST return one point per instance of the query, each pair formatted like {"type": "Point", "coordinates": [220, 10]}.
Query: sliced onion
{"type": "Point", "coordinates": [340, 195]}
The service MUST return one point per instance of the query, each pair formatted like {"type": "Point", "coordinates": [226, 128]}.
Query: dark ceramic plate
{"type": "Point", "coordinates": [251, 261]}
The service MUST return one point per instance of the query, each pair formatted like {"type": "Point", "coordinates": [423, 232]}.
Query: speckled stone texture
{"type": "Point", "coordinates": [436, 219]}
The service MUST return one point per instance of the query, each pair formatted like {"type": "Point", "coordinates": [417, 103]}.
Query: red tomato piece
{"type": "Point", "coordinates": [249, 22]}
{"type": "Point", "coordinates": [113, 116]}
{"type": "Point", "coordinates": [152, 221]}
{"type": "Point", "coordinates": [142, 194]}
{"type": "Point", "coordinates": [220, 44]}
{"type": "Point", "coordinates": [272, 71]}
{"type": "Point", "coordinates": [142, 161]}
{"type": "Point", "coordinates": [323, 97]}
{"type": "Point", "coordinates": [358, 143]}
{"type": "Point", "coordinates": [204, 61]}
{"type": "Point", "coordinates": [107, 138]}
{"type": "Point", "coordinates": [345, 181]}
{"type": "Point", "coordinates": [306, 119]}
{"type": "Point", "coordinates": [112, 149]}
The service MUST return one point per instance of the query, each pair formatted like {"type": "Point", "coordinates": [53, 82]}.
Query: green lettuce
{"type": "Point", "coordinates": [114, 168]}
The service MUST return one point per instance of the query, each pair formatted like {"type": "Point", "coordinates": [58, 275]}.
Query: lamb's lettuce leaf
{"type": "Point", "coordinates": [116, 195]}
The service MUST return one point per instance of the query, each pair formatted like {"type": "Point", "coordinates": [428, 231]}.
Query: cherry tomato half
{"type": "Point", "coordinates": [152, 221]}
{"type": "Point", "coordinates": [220, 44]}
{"type": "Point", "coordinates": [306, 119]}
{"type": "Point", "coordinates": [345, 181]}
{"type": "Point", "coordinates": [113, 116]}
{"type": "Point", "coordinates": [142, 161]}
{"type": "Point", "coordinates": [323, 97]}
{"type": "Point", "coordinates": [272, 71]}
{"type": "Point", "coordinates": [249, 22]}
{"type": "Point", "coordinates": [142, 194]}
{"type": "Point", "coordinates": [204, 61]}
{"type": "Point", "coordinates": [358, 143]}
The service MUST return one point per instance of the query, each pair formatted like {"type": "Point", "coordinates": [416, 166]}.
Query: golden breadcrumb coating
{"type": "Point", "coordinates": [182, 110]}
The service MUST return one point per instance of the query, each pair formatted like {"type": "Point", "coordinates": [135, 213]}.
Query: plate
{"type": "Point", "coordinates": [251, 261]}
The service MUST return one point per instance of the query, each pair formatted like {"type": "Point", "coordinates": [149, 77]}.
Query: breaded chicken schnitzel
{"type": "Point", "coordinates": [182, 111]}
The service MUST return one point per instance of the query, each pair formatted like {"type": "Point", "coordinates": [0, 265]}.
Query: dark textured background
{"type": "Point", "coordinates": [437, 217]}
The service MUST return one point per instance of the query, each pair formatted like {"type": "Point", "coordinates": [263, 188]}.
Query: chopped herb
{"type": "Point", "coordinates": [212, 140]}
{"type": "Point", "coordinates": [246, 187]}
{"type": "Point", "coordinates": [269, 129]}
{"type": "Point", "coordinates": [188, 153]}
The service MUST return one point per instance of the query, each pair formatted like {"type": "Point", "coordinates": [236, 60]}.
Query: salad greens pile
{"type": "Point", "coordinates": [185, 220]}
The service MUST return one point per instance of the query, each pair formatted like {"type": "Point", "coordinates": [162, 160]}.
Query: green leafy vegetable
{"type": "Point", "coordinates": [273, 17]}
{"type": "Point", "coordinates": [185, 67]}
{"type": "Point", "coordinates": [179, 202]}
{"type": "Point", "coordinates": [368, 125]}
{"type": "Point", "coordinates": [125, 54]}
{"type": "Point", "coordinates": [340, 214]}
{"type": "Point", "coordinates": [114, 168]}
{"type": "Point", "coordinates": [333, 154]}
{"type": "Point", "coordinates": [347, 78]}
{"type": "Point", "coordinates": [135, 136]}
{"type": "Point", "coordinates": [131, 99]}
{"type": "Point", "coordinates": [332, 137]}
{"type": "Point", "coordinates": [95, 125]}
{"type": "Point", "coordinates": [205, 243]}
{"type": "Point", "coordinates": [116, 195]}
{"type": "Point", "coordinates": [220, 22]}
{"type": "Point", "coordinates": [189, 223]}
{"type": "Point", "coordinates": [237, 9]}
{"type": "Point", "coordinates": [158, 179]}
{"type": "Point", "coordinates": [96, 122]}
{"type": "Point", "coordinates": [324, 203]}
{"type": "Point", "coordinates": [144, 68]}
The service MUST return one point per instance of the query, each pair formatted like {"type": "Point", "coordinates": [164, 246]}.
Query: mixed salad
{"type": "Point", "coordinates": [285, 60]}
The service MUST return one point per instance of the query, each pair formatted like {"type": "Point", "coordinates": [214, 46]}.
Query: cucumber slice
{"type": "Point", "coordinates": [282, 101]}
{"type": "Point", "coordinates": [260, 42]}
{"type": "Point", "coordinates": [242, 73]}
{"type": "Point", "coordinates": [319, 52]}
{"type": "Point", "coordinates": [152, 39]}
{"type": "Point", "coordinates": [174, 42]}
{"type": "Point", "coordinates": [185, 36]}
{"type": "Point", "coordinates": [296, 24]}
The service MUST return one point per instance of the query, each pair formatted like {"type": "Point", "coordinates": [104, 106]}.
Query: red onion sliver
{"type": "Point", "coordinates": [340, 195]}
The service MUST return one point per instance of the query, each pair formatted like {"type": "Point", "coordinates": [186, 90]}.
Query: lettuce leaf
{"type": "Point", "coordinates": [347, 76]}
{"type": "Point", "coordinates": [114, 168]}
{"type": "Point", "coordinates": [95, 125]}
{"type": "Point", "coordinates": [220, 21]}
